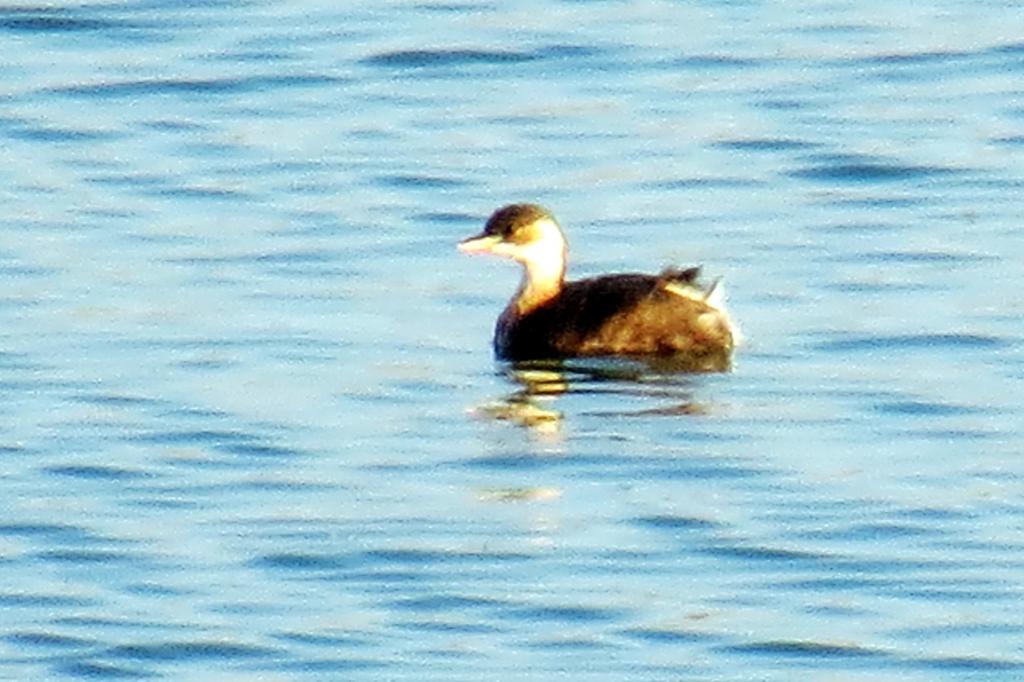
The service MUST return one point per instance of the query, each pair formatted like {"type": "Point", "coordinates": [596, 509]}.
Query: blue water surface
{"type": "Point", "coordinates": [251, 427]}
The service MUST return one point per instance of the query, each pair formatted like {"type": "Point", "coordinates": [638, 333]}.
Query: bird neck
{"type": "Point", "coordinates": [543, 278]}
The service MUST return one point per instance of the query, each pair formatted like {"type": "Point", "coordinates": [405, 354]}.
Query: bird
{"type": "Point", "coordinates": [629, 314]}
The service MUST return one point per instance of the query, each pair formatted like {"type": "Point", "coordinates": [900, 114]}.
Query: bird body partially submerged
{"type": "Point", "coordinates": [623, 314]}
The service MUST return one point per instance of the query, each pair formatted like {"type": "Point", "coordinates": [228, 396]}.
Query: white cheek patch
{"type": "Point", "coordinates": [543, 255]}
{"type": "Point", "coordinates": [549, 244]}
{"type": "Point", "coordinates": [507, 250]}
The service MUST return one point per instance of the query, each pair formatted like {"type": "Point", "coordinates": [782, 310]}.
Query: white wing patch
{"type": "Point", "coordinates": [714, 298]}
{"type": "Point", "coordinates": [685, 291]}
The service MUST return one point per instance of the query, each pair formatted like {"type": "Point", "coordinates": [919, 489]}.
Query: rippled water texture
{"type": "Point", "coordinates": [251, 427]}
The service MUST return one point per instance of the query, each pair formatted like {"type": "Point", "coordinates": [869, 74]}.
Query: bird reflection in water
{"type": "Point", "coordinates": [539, 383]}
{"type": "Point", "coordinates": [542, 383]}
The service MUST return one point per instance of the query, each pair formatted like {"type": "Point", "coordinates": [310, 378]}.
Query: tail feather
{"type": "Point", "coordinates": [684, 283]}
{"type": "Point", "coordinates": [684, 276]}
{"type": "Point", "coordinates": [714, 295]}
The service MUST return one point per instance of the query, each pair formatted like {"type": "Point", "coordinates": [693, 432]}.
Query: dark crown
{"type": "Point", "coordinates": [508, 222]}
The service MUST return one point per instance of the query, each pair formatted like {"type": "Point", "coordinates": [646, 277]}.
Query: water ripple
{"type": "Point", "coordinates": [846, 169]}
{"type": "Point", "coordinates": [33, 600]}
{"type": "Point", "coordinates": [810, 649]}
{"type": "Point", "coordinates": [769, 144]}
{"type": "Point", "coordinates": [48, 640]}
{"type": "Point", "coordinates": [912, 342]}
{"type": "Point", "coordinates": [676, 523]}
{"type": "Point", "coordinates": [764, 553]}
{"type": "Point", "coordinates": [966, 664]}
{"type": "Point", "coordinates": [443, 603]}
{"type": "Point", "coordinates": [565, 614]}
{"type": "Point", "coordinates": [50, 532]}
{"type": "Point", "coordinates": [667, 636]}
{"type": "Point", "coordinates": [319, 666]}
{"type": "Point", "coordinates": [97, 472]}
{"type": "Point", "coordinates": [306, 561]}
{"type": "Point", "coordinates": [921, 408]}
{"type": "Point", "coordinates": [92, 670]}
{"type": "Point", "coordinates": [90, 556]}
{"type": "Point", "coordinates": [229, 442]}
{"type": "Point", "coordinates": [421, 182]}
{"type": "Point", "coordinates": [50, 134]}
{"type": "Point", "coordinates": [712, 62]}
{"type": "Point", "coordinates": [192, 651]}
{"type": "Point", "coordinates": [48, 20]}
{"type": "Point", "coordinates": [439, 57]}
{"type": "Point", "coordinates": [194, 86]}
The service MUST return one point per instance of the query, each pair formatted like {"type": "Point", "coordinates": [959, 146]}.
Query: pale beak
{"type": "Point", "coordinates": [483, 243]}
